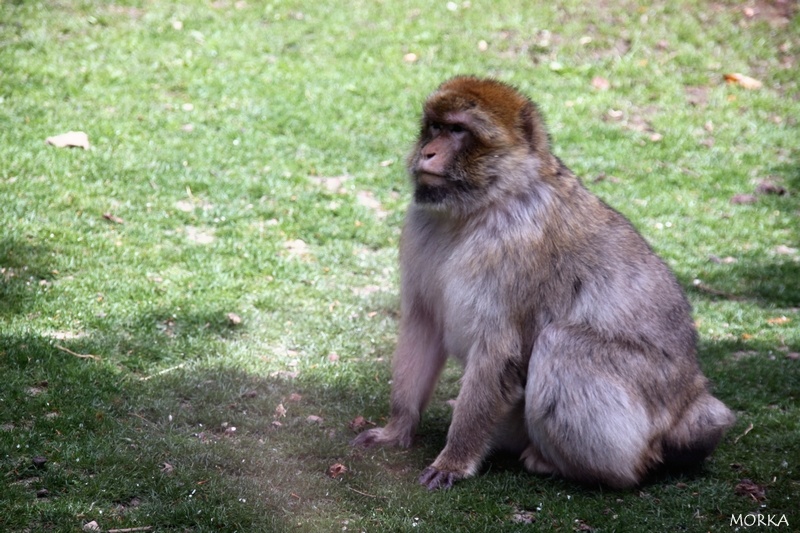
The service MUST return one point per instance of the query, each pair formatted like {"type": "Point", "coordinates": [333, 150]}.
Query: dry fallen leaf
{"type": "Point", "coordinates": [600, 83]}
{"type": "Point", "coordinates": [280, 411]}
{"type": "Point", "coordinates": [778, 320]}
{"type": "Point", "coordinates": [410, 57]}
{"type": "Point", "coordinates": [314, 419]}
{"type": "Point", "coordinates": [234, 319]}
{"type": "Point", "coordinates": [785, 250]}
{"type": "Point", "coordinates": [755, 491]}
{"type": "Point", "coordinates": [743, 199]}
{"type": "Point", "coordinates": [294, 397]}
{"type": "Point", "coordinates": [336, 470]}
{"type": "Point", "coordinates": [297, 248]}
{"type": "Point", "coordinates": [743, 81]}
{"type": "Point", "coordinates": [92, 526]}
{"type": "Point", "coordinates": [167, 469]}
{"type": "Point", "coordinates": [71, 139]}
{"type": "Point", "coordinates": [358, 423]}
{"type": "Point", "coordinates": [113, 218]}
{"type": "Point", "coordinates": [770, 187]}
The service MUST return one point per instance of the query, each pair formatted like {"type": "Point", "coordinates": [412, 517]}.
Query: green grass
{"type": "Point", "coordinates": [215, 130]}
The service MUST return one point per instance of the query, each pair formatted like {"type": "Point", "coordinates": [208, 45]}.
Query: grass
{"type": "Point", "coordinates": [247, 158]}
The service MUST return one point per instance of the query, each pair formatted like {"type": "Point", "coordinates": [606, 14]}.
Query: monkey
{"type": "Point", "coordinates": [576, 340]}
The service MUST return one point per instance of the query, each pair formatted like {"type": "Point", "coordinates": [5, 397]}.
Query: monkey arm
{"type": "Point", "coordinates": [417, 364]}
{"type": "Point", "coordinates": [490, 389]}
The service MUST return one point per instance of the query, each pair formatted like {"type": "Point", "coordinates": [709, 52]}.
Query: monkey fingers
{"type": "Point", "coordinates": [368, 439]}
{"type": "Point", "coordinates": [383, 437]}
{"type": "Point", "coordinates": [435, 479]}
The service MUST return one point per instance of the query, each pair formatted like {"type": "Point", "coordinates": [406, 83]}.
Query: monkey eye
{"type": "Point", "coordinates": [457, 128]}
{"type": "Point", "coordinates": [435, 128]}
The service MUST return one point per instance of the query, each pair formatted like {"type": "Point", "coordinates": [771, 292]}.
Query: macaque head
{"type": "Point", "coordinates": [475, 136]}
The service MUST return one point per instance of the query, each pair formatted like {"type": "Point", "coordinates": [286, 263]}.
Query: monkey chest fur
{"type": "Point", "coordinates": [475, 287]}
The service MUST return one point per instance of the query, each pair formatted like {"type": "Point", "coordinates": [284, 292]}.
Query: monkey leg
{"type": "Point", "coordinates": [585, 421]}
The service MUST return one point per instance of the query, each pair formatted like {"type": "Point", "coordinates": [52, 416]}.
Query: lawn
{"type": "Point", "coordinates": [196, 310]}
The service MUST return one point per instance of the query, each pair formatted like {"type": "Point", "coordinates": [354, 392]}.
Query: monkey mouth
{"type": "Point", "coordinates": [428, 179]}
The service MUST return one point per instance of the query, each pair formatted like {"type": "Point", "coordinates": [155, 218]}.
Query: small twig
{"type": "Point", "coordinates": [81, 355]}
{"type": "Point", "coordinates": [143, 418]}
{"type": "Point", "coordinates": [365, 494]}
{"type": "Point", "coordinates": [722, 294]}
{"type": "Point", "coordinates": [746, 431]}
{"type": "Point", "coordinates": [130, 529]}
{"type": "Point", "coordinates": [176, 367]}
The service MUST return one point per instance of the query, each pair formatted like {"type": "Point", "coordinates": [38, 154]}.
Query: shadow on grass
{"type": "Point", "coordinates": [23, 266]}
{"type": "Point", "coordinates": [772, 279]}
{"type": "Point", "coordinates": [197, 447]}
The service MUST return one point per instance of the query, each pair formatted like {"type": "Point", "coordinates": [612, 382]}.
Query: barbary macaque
{"type": "Point", "coordinates": [578, 347]}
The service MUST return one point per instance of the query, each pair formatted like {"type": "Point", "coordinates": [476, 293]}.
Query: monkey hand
{"type": "Point", "coordinates": [383, 437]}
{"type": "Point", "coordinates": [435, 479]}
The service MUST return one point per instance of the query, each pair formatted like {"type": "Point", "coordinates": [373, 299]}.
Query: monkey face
{"type": "Point", "coordinates": [438, 161]}
{"type": "Point", "coordinates": [474, 137]}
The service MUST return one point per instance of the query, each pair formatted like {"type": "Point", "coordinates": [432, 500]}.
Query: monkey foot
{"type": "Point", "coordinates": [435, 479]}
{"type": "Point", "coordinates": [534, 462]}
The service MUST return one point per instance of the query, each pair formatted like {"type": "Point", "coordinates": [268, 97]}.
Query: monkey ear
{"type": "Point", "coordinates": [533, 128]}
{"type": "Point", "coordinates": [526, 117]}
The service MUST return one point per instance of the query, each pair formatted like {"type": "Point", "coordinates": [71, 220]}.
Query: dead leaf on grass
{"type": "Point", "coordinates": [357, 424]}
{"type": "Point", "coordinates": [233, 319]}
{"type": "Point", "coordinates": [743, 199]}
{"type": "Point", "coordinates": [785, 250]}
{"type": "Point", "coordinates": [600, 83]}
{"type": "Point", "coordinates": [521, 516]}
{"type": "Point", "coordinates": [336, 470]}
{"type": "Point", "coordinates": [167, 469]}
{"type": "Point", "coordinates": [280, 411]}
{"type": "Point", "coordinates": [778, 320]}
{"type": "Point", "coordinates": [748, 488]}
{"type": "Point", "coordinates": [294, 397]}
{"type": "Point", "coordinates": [297, 248]}
{"type": "Point", "coordinates": [770, 187]}
{"type": "Point", "coordinates": [71, 139]}
{"type": "Point", "coordinates": [113, 218]}
{"type": "Point", "coordinates": [314, 419]}
{"type": "Point", "coordinates": [743, 81]}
